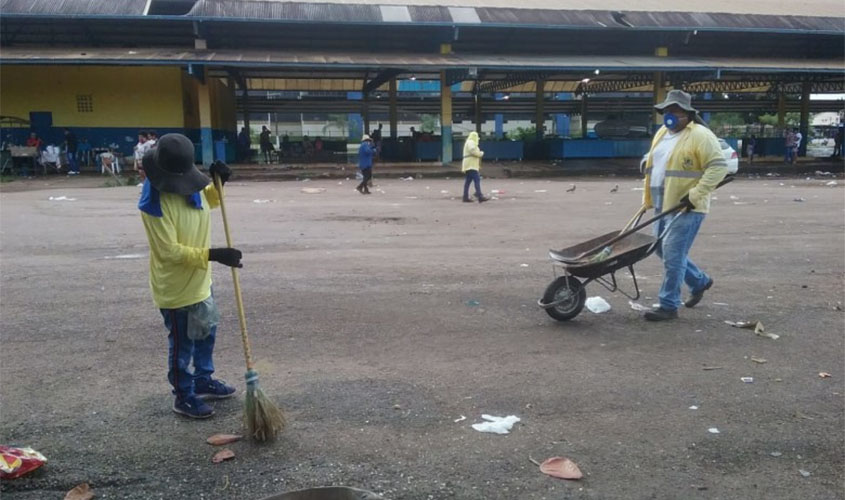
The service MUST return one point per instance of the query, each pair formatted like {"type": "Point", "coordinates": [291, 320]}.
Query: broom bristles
{"type": "Point", "coordinates": [264, 420]}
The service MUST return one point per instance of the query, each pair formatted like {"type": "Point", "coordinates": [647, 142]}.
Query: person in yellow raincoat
{"type": "Point", "coordinates": [685, 164]}
{"type": "Point", "coordinates": [470, 166]}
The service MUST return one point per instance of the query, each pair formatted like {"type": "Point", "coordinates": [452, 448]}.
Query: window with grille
{"type": "Point", "coordinates": [84, 103]}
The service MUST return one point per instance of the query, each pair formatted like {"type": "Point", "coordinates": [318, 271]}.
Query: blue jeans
{"type": "Point", "coordinates": [71, 162]}
{"type": "Point", "coordinates": [184, 350]}
{"type": "Point", "coordinates": [674, 250]}
{"type": "Point", "coordinates": [472, 177]}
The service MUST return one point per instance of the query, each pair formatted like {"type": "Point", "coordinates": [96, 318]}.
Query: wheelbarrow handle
{"type": "Point", "coordinates": [627, 232]}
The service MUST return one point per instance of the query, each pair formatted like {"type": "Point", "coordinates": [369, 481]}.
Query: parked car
{"type": "Point", "coordinates": [731, 158]}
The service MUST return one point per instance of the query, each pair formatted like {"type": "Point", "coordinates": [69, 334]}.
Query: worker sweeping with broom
{"type": "Point", "coordinates": [175, 202]}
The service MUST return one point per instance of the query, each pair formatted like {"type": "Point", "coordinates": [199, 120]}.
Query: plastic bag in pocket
{"type": "Point", "coordinates": [202, 317]}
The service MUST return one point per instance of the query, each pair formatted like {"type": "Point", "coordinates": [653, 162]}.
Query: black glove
{"type": "Point", "coordinates": [687, 203]}
{"type": "Point", "coordinates": [227, 256]}
{"type": "Point", "coordinates": [221, 170]}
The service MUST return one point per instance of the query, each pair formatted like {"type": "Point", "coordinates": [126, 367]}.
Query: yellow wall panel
{"type": "Point", "coordinates": [122, 96]}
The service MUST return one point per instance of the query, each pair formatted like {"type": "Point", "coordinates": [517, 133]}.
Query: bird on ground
{"type": "Point", "coordinates": [571, 189]}
{"type": "Point", "coordinates": [615, 188]}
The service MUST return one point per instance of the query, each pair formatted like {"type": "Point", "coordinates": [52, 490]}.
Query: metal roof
{"type": "Point", "coordinates": [74, 7]}
{"type": "Point", "coordinates": [328, 61]}
{"type": "Point", "coordinates": [822, 15]}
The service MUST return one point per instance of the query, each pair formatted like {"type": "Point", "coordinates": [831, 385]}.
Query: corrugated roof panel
{"type": "Point", "coordinates": [292, 11]}
{"type": "Point", "coordinates": [395, 14]}
{"type": "Point", "coordinates": [74, 7]}
{"type": "Point", "coordinates": [430, 14]}
{"type": "Point", "coordinates": [464, 15]}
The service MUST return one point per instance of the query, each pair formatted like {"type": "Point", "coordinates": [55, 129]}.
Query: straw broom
{"type": "Point", "coordinates": [263, 420]}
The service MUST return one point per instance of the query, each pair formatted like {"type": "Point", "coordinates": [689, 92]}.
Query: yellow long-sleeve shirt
{"type": "Point", "coordinates": [179, 240]}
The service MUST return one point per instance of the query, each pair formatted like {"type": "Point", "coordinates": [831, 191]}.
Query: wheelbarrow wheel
{"type": "Point", "coordinates": [568, 295]}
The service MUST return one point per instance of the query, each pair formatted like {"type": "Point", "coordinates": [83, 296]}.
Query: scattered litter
{"type": "Point", "coordinates": [832, 183]}
{"type": "Point", "coordinates": [523, 265]}
{"type": "Point", "coordinates": [339, 183]}
{"type": "Point", "coordinates": [711, 368]}
{"type": "Point", "coordinates": [498, 191]}
{"type": "Point", "coordinates": [261, 201]}
{"type": "Point", "coordinates": [759, 360]}
{"type": "Point", "coordinates": [775, 453]}
{"type": "Point", "coordinates": [411, 197]}
{"type": "Point", "coordinates": [638, 307]}
{"type": "Point", "coordinates": [473, 303]}
{"type": "Point", "coordinates": [608, 203]}
{"type": "Point", "coordinates": [126, 256]}
{"type": "Point", "coordinates": [747, 380]}
{"type": "Point", "coordinates": [224, 454]}
{"type": "Point", "coordinates": [823, 174]}
{"type": "Point", "coordinates": [713, 430]}
{"type": "Point", "coordinates": [397, 406]}
{"type": "Point", "coordinates": [720, 304]}
{"type": "Point", "coordinates": [61, 198]}
{"type": "Point", "coordinates": [799, 199]}
{"type": "Point", "coordinates": [741, 203]}
{"type": "Point", "coordinates": [693, 407]}
{"type": "Point", "coordinates": [496, 425]}
{"type": "Point", "coordinates": [221, 439]}
{"type": "Point", "coordinates": [16, 462]}
{"type": "Point", "coordinates": [541, 190]}
{"type": "Point", "coordinates": [637, 189]}
{"type": "Point", "coordinates": [571, 189]}
{"type": "Point", "coordinates": [733, 197]}
{"type": "Point", "coordinates": [460, 419]}
{"type": "Point", "coordinates": [615, 188]}
{"type": "Point", "coordinates": [409, 178]}
{"type": "Point", "coordinates": [80, 492]}
{"type": "Point", "coordinates": [757, 326]}
{"type": "Point", "coordinates": [561, 467]}
{"type": "Point", "coordinates": [443, 191]}
{"type": "Point", "coordinates": [824, 375]}
{"type": "Point", "coordinates": [307, 180]}
{"type": "Point", "coordinates": [805, 473]}
{"type": "Point", "coordinates": [313, 190]}
{"type": "Point", "coordinates": [597, 305]}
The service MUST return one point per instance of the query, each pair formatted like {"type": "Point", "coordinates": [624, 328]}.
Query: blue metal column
{"type": "Point", "coordinates": [445, 120]}
{"type": "Point", "coordinates": [500, 119]}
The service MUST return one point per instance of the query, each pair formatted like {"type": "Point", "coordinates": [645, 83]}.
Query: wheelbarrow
{"type": "Point", "coordinates": [598, 260]}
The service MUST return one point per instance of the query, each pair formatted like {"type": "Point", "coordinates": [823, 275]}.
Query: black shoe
{"type": "Point", "coordinates": [359, 189]}
{"type": "Point", "coordinates": [696, 297]}
{"type": "Point", "coordinates": [467, 200]}
{"type": "Point", "coordinates": [660, 314]}
{"type": "Point", "coordinates": [482, 199]}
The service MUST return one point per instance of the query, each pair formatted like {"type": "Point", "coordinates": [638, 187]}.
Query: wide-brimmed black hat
{"type": "Point", "coordinates": [170, 166]}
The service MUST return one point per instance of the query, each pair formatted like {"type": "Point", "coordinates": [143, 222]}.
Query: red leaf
{"type": "Point", "coordinates": [221, 439]}
{"type": "Point", "coordinates": [224, 454]}
{"type": "Point", "coordinates": [561, 467]}
{"type": "Point", "coordinates": [80, 492]}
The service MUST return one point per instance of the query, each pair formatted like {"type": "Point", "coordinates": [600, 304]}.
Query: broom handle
{"type": "Point", "coordinates": [238, 297]}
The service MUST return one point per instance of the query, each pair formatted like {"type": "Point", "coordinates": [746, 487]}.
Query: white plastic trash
{"type": "Point", "coordinates": [496, 425]}
{"type": "Point", "coordinates": [597, 305]}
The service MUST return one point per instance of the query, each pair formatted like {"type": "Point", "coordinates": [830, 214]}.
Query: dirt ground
{"type": "Point", "coordinates": [379, 321]}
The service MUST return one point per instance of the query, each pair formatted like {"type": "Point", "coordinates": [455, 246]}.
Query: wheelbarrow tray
{"type": "Point", "coordinates": [625, 252]}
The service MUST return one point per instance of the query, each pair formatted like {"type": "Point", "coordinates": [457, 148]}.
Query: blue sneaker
{"type": "Point", "coordinates": [213, 389]}
{"type": "Point", "coordinates": [192, 407]}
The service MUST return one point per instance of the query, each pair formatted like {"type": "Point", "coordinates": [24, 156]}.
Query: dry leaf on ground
{"type": "Point", "coordinates": [80, 492]}
{"type": "Point", "coordinates": [221, 439]}
{"type": "Point", "coordinates": [561, 467]}
{"type": "Point", "coordinates": [225, 454]}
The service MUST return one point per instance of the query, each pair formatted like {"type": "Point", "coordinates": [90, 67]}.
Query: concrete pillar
{"type": "Point", "coordinates": [583, 116]}
{"type": "Point", "coordinates": [365, 112]}
{"type": "Point", "coordinates": [245, 102]}
{"type": "Point", "coordinates": [206, 136]}
{"type": "Point", "coordinates": [781, 110]}
{"type": "Point", "coordinates": [804, 126]}
{"type": "Point", "coordinates": [445, 120]}
{"type": "Point", "coordinates": [394, 120]}
{"type": "Point", "coordinates": [539, 117]}
{"type": "Point", "coordinates": [500, 125]}
{"type": "Point", "coordinates": [659, 90]}
{"type": "Point", "coordinates": [478, 114]}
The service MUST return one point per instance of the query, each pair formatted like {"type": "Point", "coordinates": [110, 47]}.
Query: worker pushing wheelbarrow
{"type": "Point", "coordinates": [598, 260]}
